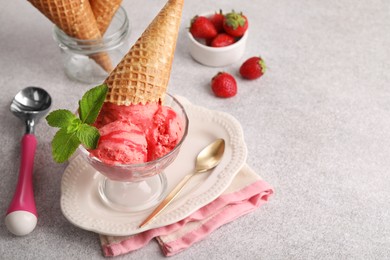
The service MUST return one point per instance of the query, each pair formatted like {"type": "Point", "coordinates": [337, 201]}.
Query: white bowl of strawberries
{"type": "Point", "coordinates": [218, 39]}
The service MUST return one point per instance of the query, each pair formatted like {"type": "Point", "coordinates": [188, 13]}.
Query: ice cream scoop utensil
{"type": "Point", "coordinates": [206, 160]}
{"type": "Point", "coordinates": [30, 104]}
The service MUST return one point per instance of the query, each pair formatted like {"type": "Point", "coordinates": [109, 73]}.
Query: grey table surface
{"type": "Point", "coordinates": [317, 127]}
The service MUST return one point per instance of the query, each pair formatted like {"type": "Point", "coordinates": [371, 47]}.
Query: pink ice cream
{"type": "Point", "coordinates": [121, 142]}
{"type": "Point", "coordinates": [136, 133]}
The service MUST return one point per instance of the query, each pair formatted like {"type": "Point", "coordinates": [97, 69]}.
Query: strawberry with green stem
{"type": "Point", "coordinates": [253, 68]}
{"type": "Point", "coordinates": [235, 24]}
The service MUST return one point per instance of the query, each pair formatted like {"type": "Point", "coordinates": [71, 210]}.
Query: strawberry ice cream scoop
{"type": "Point", "coordinates": [136, 133]}
{"type": "Point", "coordinates": [121, 142]}
{"type": "Point", "coordinates": [164, 133]}
{"type": "Point", "coordinates": [140, 115]}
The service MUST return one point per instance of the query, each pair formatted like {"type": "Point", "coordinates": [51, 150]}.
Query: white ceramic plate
{"type": "Point", "coordinates": [82, 206]}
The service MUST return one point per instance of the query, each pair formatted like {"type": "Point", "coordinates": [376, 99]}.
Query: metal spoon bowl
{"type": "Point", "coordinates": [30, 104]}
{"type": "Point", "coordinates": [210, 156]}
{"type": "Point", "coordinates": [206, 160]}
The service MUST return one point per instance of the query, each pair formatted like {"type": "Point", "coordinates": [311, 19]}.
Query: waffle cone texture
{"type": "Point", "coordinates": [77, 20]}
{"type": "Point", "coordinates": [143, 74]}
{"type": "Point", "coordinates": [104, 11]}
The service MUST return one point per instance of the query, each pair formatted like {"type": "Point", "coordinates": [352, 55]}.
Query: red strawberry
{"type": "Point", "coordinates": [253, 68]}
{"type": "Point", "coordinates": [222, 40]}
{"type": "Point", "coordinates": [201, 27]}
{"type": "Point", "coordinates": [224, 85]}
{"type": "Point", "coordinates": [217, 20]}
{"type": "Point", "coordinates": [235, 24]}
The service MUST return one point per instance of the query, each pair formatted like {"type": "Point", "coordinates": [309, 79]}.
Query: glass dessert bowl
{"type": "Point", "coordinates": [137, 186]}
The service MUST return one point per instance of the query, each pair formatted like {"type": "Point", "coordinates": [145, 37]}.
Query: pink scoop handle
{"type": "Point", "coordinates": [24, 194]}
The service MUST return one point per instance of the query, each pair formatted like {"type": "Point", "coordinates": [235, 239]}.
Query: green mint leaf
{"type": "Point", "coordinates": [60, 118]}
{"type": "Point", "coordinates": [73, 130]}
{"type": "Point", "coordinates": [63, 145]}
{"type": "Point", "coordinates": [91, 103]}
{"type": "Point", "coordinates": [73, 126]}
{"type": "Point", "coordinates": [88, 135]}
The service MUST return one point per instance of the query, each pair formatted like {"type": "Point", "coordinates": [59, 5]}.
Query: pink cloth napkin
{"type": "Point", "coordinates": [246, 193]}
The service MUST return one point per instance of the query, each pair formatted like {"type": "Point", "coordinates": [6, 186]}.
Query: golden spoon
{"type": "Point", "coordinates": [206, 160]}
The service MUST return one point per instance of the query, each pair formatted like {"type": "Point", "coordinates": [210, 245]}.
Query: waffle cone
{"type": "Point", "coordinates": [143, 74]}
{"type": "Point", "coordinates": [76, 19]}
{"type": "Point", "coordinates": [103, 11]}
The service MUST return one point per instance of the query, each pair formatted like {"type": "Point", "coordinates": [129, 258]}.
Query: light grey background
{"type": "Point", "coordinates": [317, 127]}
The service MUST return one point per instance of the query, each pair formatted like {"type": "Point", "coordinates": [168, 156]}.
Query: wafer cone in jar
{"type": "Point", "coordinates": [143, 74]}
{"type": "Point", "coordinates": [104, 11]}
{"type": "Point", "coordinates": [76, 19]}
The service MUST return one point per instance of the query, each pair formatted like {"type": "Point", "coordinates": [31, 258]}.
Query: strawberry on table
{"type": "Point", "coordinates": [222, 40]}
{"type": "Point", "coordinates": [224, 85]}
{"type": "Point", "coordinates": [202, 27]}
{"type": "Point", "coordinates": [235, 24]}
{"type": "Point", "coordinates": [217, 20]}
{"type": "Point", "coordinates": [253, 68]}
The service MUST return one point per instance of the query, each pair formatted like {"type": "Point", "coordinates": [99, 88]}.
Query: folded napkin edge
{"type": "Point", "coordinates": [113, 246]}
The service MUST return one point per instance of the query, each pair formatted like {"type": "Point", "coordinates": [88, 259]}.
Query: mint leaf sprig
{"type": "Point", "coordinates": [77, 130]}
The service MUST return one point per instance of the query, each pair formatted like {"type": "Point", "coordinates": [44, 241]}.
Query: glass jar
{"type": "Point", "coordinates": [91, 61]}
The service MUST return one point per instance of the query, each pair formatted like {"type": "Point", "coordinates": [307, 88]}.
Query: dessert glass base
{"type": "Point", "coordinates": [133, 196]}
